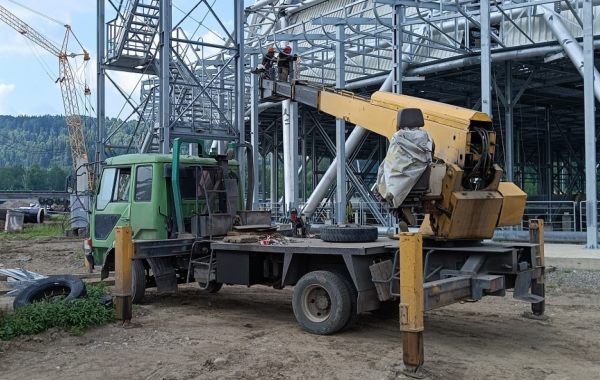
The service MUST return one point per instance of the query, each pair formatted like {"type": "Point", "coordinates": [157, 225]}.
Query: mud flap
{"type": "Point", "coordinates": [164, 274]}
{"type": "Point", "coordinates": [523, 284]}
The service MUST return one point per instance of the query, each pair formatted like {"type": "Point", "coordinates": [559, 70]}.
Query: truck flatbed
{"type": "Point", "coordinates": [313, 246]}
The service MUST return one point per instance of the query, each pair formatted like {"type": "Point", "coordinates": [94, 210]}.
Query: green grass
{"type": "Point", "coordinates": [34, 231]}
{"type": "Point", "coordinates": [73, 316]}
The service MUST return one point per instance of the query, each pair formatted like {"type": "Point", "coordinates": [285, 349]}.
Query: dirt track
{"type": "Point", "coordinates": [244, 333]}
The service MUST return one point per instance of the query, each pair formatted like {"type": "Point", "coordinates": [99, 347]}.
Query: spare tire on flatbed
{"type": "Point", "coordinates": [349, 233]}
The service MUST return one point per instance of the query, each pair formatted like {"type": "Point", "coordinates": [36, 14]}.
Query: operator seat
{"type": "Point", "coordinates": [412, 118]}
{"type": "Point", "coordinates": [409, 118]}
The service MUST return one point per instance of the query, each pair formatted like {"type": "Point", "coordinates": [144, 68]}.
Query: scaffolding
{"type": "Point", "coordinates": [523, 62]}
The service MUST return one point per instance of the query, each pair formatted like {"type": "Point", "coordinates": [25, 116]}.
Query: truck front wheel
{"type": "Point", "coordinates": [138, 281]}
{"type": "Point", "coordinates": [321, 302]}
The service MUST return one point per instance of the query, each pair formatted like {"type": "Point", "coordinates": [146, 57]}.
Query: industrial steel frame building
{"type": "Point", "coordinates": [529, 64]}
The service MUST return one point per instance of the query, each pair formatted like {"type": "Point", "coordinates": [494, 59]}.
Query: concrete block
{"type": "Point", "coordinates": [14, 221]}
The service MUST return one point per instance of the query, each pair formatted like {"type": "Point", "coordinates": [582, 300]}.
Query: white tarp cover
{"type": "Point", "coordinates": [407, 158]}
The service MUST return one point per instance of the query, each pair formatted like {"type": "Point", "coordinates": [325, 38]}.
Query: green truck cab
{"type": "Point", "coordinates": [136, 190]}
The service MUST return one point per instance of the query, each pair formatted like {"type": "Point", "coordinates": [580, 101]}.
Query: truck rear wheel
{"type": "Point", "coordinates": [138, 281]}
{"type": "Point", "coordinates": [321, 302]}
{"type": "Point", "coordinates": [213, 286]}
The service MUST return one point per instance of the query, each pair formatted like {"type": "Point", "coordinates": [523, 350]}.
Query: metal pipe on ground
{"type": "Point", "coordinates": [549, 236]}
{"type": "Point", "coordinates": [381, 231]}
{"type": "Point", "coordinates": [32, 214]}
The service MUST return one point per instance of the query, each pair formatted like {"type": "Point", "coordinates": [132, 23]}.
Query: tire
{"type": "Point", "coordinates": [65, 287]}
{"type": "Point", "coordinates": [354, 316]}
{"type": "Point", "coordinates": [138, 281]}
{"type": "Point", "coordinates": [213, 287]}
{"type": "Point", "coordinates": [321, 302]}
{"type": "Point", "coordinates": [349, 234]}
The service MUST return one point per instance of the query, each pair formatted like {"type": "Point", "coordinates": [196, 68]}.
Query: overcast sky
{"type": "Point", "coordinates": [28, 73]}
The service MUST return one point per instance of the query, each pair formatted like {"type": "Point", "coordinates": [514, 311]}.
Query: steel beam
{"type": "Point", "coordinates": [509, 126]}
{"type": "Point", "coordinates": [571, 46]}
{"type": "Point", "coordinates": [590, 78]}
{"type": "Point", "coordinates": [289, 119]}
{"type": "Point", "coordinates": [340, 129]}
{"type": "Point", "coordinates": [397, 48]}
{"type": "Point", "coordinates": [164, 74]}
{"type": "Point", "coordinates": [486, 61]}
{"type": "Point", "coordinates": [100, 86]}
{"type": "Point", "coordinates": [254, 128]}
{"type": "Point", "coordinates": [238, 10]}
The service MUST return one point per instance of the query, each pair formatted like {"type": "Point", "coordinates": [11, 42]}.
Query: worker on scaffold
{"type": "Point", "coordinates": [285, 62]}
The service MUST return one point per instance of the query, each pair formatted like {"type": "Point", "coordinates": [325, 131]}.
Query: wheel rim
{"type": "Point", "coordinates": [55, 293]}
{"type": "Point", "coordinates": [316, 303]}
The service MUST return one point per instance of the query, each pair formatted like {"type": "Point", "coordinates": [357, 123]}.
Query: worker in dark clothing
{"type": "Point", "coordinates": [265, 68]}
{"type": "Point", "coordinates": [267, 63]}
{"type": "Point", "coordinates": [285, 61]}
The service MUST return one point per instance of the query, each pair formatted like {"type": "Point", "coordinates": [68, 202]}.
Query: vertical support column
{"type": "Point", "coordinates": [164, 74]}
{"type": "Point", "coordinates": [240, 85]}
{"type": "Point", "coordinates": [486, 61]}
{"type": "Point", "coordinates": [508, 117]}
{"type": "Point", "coordinates": [123, 272]}
{"type": "Point", "coordinates": [273, 192]}
{"type": "Point", "coordinates": [549, 178]}
{"type": "Point", "coordinates": [536, 236]}
{"type": "Point", "coordinates": [274, 168]}
{"type": "Point", "coordinates": [411, 300]}
{"type": "Point", "coordinates": [289, 120]}
{"type": "Point", "coordinates": [340, 129]}
{"type": "Point", "coordinates": [304, 156]}
{"type": "Point", "coordinates": [397, 48]}
{"type": "Point", "coordinates": [254, 127]}
{"type": "Point", "coordinates": [101, 85]}
{"type": "Point", "coordinates": [590, 129]}
{"type": "Point", "coordinates": [221, 145]}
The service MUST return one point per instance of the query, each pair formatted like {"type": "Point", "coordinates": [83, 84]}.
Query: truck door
{"type": "Point", "coordinates": [146, 221]}
{"type": "Point", "coordinates": [112, 204]}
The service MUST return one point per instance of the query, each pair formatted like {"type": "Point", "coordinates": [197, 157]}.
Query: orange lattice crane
{"type": "Point", "coordinates": [66, 80]}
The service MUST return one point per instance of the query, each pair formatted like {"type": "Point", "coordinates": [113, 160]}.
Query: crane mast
{"type": "Point", "coordinates": [66, 80]}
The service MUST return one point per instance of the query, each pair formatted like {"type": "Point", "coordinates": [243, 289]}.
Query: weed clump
{"type": "Point", "coordinates": [73, 315]}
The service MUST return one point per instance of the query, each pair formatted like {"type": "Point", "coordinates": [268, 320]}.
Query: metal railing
{"type": "Point", "coordinates": [583, 215]}
{"type": "Point", "coordinates": [565, 216]}
{"type": "Point", "coordinates": [557, 215]}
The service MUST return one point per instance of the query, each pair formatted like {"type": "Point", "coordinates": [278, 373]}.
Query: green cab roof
{"type": "Point", "coordinates": [150, 158]}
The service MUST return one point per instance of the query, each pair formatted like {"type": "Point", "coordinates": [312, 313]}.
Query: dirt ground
{"type": "Point", "coordinates": [251, 333]}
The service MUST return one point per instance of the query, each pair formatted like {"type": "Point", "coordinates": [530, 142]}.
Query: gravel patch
{"type": "Point", "coordinates": [568, 279]}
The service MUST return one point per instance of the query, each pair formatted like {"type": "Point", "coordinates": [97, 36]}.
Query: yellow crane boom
{"type": "Point", "coordinates": [466, 198]}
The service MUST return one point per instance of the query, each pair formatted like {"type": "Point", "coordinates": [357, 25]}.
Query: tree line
{"type": "Point", "coordinates": [33, 178]}
{"type": "Point", "coordinates": [35, 152]}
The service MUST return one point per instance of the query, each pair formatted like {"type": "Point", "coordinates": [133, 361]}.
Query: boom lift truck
{"type": "Point", "coordinates": [180, 208]}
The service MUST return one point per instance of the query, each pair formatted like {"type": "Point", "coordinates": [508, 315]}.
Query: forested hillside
{"type": "Point", "coordinates": [40, 140]}
{"type": "Point", "coordinates": [35, 153]}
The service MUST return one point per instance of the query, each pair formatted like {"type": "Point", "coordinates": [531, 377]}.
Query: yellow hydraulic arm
{"type": "Point", "coordinates": [466, 198]}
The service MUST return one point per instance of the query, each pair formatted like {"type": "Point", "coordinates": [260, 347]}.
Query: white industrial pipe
{"type": "Point", "coordinates": [570, 45]}
{"type": "Point", "coordinates": [352, 142]}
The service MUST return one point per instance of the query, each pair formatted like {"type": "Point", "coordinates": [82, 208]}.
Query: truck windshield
{"type": "Point", "coordinates": [114, 186]}
{"type": "Point", "coordinates": [106, 187]}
